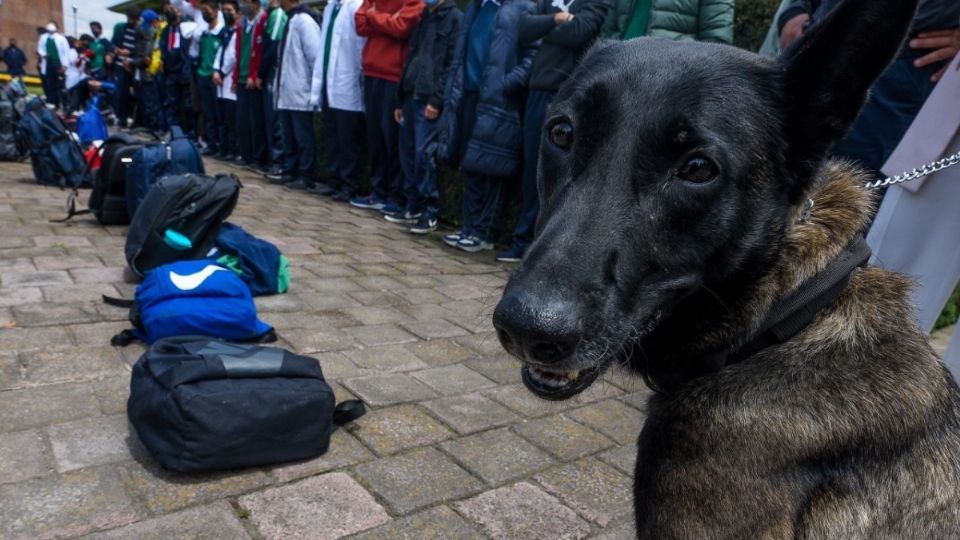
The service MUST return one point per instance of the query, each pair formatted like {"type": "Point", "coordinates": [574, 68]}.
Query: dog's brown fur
{"type": "Point", "coordinates": [849, 430]}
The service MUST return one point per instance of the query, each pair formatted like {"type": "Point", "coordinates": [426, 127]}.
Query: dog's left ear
{"type": "Point", "coordinates": [828, 71]}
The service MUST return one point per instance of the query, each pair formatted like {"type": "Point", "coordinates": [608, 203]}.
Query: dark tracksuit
{"type": "Point", "coordinates": [266, 72]}
{"type": "Point", "coordinates": [422, 83]}
{"type": "Point", "coordinates": [560, 50]}
{"type": "Point", "coordinates": [177, 70]}
{"type": "Point", "coordinates": [227, 108]}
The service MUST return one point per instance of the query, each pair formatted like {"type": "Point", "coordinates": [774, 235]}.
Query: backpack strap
{"type": "Point", "coordinates": [124, 338]}
{"type": "Point", "coordinates": [348, 411]}
{"type": "Point", "coordinates": [72, 208]}
{"type": "Point", "coordinates": [118, 302]}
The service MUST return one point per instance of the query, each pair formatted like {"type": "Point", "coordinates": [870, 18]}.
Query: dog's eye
{"type": "Point", "coordinates": [561, 134]}
{"type": "Point", "coordinates": [698, 170]}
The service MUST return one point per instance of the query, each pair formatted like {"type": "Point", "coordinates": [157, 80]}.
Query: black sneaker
{"type": "Point", "coordinates": [402, 217]}
{"type": "Point", "coordinates": [343, 196]}
{"type": "Point", "coordinates": [512, 255]}
{"type": "Point", "coordinates": [305, 185]}
{"type": "Point", "coordinates": [281, 180]}
{"type": "Point", "coordinates": [323, 190]}
{"type": "Point", "coordinates": [425, 225]}
{"type": "Point", "coordinates": [275, 173]}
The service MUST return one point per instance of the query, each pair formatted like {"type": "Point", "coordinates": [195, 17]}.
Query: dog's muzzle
{"type": "Point", "coordinates": [545, 335]}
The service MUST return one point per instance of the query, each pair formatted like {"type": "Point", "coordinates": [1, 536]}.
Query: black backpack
{"type": "Point", "coordinates": [108, 201]}
{"type": "Point", "coordinates": [200, 404]}
{"type": "Point", "coordinates": [189, 207]}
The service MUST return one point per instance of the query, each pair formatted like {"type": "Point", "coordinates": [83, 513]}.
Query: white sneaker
{"type": "Point", "coordinates": [472, 244]}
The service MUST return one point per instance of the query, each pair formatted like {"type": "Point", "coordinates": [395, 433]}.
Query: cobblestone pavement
{"type": "Point", "coordinates": [453, 446]}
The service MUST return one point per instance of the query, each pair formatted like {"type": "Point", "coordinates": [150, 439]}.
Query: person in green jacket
{"type": "Point", "coordinates": [701, 20]}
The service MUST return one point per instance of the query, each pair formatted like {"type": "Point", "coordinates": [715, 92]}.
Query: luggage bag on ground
{"type": "Point", "coordinates": [151, 162]}
{"type": "Point", "coordinates": [204, 405]}
{"type": "Point", "coordinates": [55, 156]}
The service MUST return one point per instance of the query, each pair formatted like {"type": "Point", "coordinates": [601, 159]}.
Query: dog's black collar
{"type": "Point", "coordinates": [798, 310]}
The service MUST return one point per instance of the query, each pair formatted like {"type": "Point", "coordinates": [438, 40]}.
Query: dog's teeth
{"type": "Point", "coordinates": [572, 375]}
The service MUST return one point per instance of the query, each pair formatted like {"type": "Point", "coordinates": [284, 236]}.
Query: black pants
{"type": "Point", "coordinates": [227, 122]}
{"type": "Point", "coordinates": [380, 99]}
{"type": "Point", "coordinates": [121, 94]}
{"type": "Point", "coordinates": [52, 83]}
{"type": "Point", "coordinates": [178, 104]}
{"type": "Point", "coordinates": [342, 132]}
{"type": "Point", "coordinates": [273, 121]}
{"type": "Point", "coordinates": [299, 144]}
{"type": "Point", "coordinates": [481, 193]}
{"type": "Point", "coordinates": [208, 104]}
{"type": "Point", "coordinates": [251, 127]}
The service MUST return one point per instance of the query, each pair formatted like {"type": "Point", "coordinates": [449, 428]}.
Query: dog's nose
{"type": "Point", "coordinates": [546, 332]}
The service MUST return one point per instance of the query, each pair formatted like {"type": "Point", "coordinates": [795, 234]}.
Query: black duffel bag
{"type": "Point", "coordinates": [200, 404]}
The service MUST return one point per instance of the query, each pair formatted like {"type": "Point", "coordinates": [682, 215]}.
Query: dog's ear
{"type": "Point", "coordinates": [828, 71]}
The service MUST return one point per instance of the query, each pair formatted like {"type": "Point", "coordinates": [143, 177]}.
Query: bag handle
{"type": "Point", "coordinates": [348, 411]}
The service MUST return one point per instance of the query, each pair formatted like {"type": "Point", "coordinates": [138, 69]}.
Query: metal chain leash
{"type": "Point", "coordinates": [925, 170]}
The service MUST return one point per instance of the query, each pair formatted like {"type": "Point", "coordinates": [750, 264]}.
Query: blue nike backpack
{"type": "Point", "coordinates": [154, 161]}
{"type": "Point", "coordinates": [193, 298]}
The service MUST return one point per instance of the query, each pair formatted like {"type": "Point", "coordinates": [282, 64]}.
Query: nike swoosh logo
{"type": "Point", "coordinates": [192, 281]}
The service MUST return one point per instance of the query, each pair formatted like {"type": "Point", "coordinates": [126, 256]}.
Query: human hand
{"type": "Point", "coordinates": [233, 87]}
{"type": "Point", "coordinates": [250, 84]}
{"type": "Point", "coordinates": [258, 83]}
{"type": "Point", "coordinates": [562, 17]}
{"type": "Point", "coordinates": [217, 79]}
{"type": "Point", "coordinates": [944, 44]}
{"type": "Point", "coordinates": [398, 115]}
{"type": "Point", "coordinates": [793, 30]}
{"type": "Point", "coordinates": [431, 112]}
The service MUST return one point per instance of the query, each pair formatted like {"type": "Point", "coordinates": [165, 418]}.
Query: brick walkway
{"type": "Point", "coordinates": [453, 445]}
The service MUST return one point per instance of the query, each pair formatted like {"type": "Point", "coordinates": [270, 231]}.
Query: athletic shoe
{"type": "Point", "coordinates": [282, 180]}
{"type": "Point", "coordinates": [342, 196]}
{"type": "Point", "coordinates": [453, 239]}
{"type": "Point", "coordinates": [403, 218]}
{"type": "Point", "coordinates": [275, 173]}
{"type": "Point", "coordinates": [323, 190]}
{"type": "Point", "coordinates": [472, 244]}
{"type": "Point", "coordinates": [370, 202]}
{"type": "Point", "coordinates": [390, 208]}
{"type": "Point", "coordinates": [425, 225]}
{"type": "Point", "coordinates": [512, 255]}
{"type": "Point", "coordinates": [303, 184]}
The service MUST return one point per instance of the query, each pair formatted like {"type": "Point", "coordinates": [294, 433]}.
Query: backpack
{"type": "Point", "coordinates": [178, 155]}
{"type": "Point", "coordinates": [56, 157]}
{"type": "Point", "coordinates": [257, 262]}
{"type": "Point", "coordinates": [205, 405]}
{"type": "Point", "coordinates": [108, 199]}
{"type": "Point", "coordinates": [192, 298]}
{"type": "Point", "coordinates": [9, 149]}
{"type": "Point", "coordinates": [179, 219]}
{"type": "Point", "coordinates": [91, 126]}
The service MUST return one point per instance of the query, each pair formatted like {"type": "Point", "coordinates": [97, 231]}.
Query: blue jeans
{"type": "Point", "coordinates": [380, 100]}
{"type": "Point", "coordinates": [299, 144]}
{"type": "Point", "coordinates": [537, 103]}
{"type": "Point", "coordinates": [895, 100]}
{"type": "Point", "coordinates": [148, 97]}
{"type": "Point", "coordinates": [419, 169]}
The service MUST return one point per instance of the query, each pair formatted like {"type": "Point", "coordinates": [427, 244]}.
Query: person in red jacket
{"type": "Point", "coordinates": [387, 25]}
{"type": "Point", "coordinates": [251, 120]}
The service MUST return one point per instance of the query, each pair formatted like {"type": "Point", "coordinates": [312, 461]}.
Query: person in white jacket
{"type": "Point", "coordinates": [56, 49]}
{"type": "Point", "coordinates": [224, 66]}
{"type": "Point", "coordinates": [297, 56]}
{"type": "Point", "coordinates": [338, 91]}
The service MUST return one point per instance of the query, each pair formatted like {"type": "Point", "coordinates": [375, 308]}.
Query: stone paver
{"type": "Point", "coordinates": [24, 455]}
{"type": "Point", "coordinates": [439, 523]}
{"type": "Point", "coordinates": [524, 511]}
{"type": "Point", "coordinates": [498, 455]}
{"type": "Point", "coordinates": [594, 489]}
{"type": "Point", "coordinates": [92, 441]}
{"type": "Point", "coordinates": [470, 413]}
{"type": "Point", "coordinates": [217, 520]}
{"type": "Point", "coordinates": [417, 479]}
{"type": "Point", "coordinates": [388, 431]}
{"type": "Point", "coordinates": [319, 508]}
{"type": "Point", "coordinates": [452, 446]}
{"type": "Point", "coordinates": [65, 505]}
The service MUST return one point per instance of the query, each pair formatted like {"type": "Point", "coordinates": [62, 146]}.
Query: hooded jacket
{"type": "Point", "coordinates": [387, 29]}
{"type": "Point", "coordinates": [431, 51]}
{"type": "Point", "coordinates": [493, 147]}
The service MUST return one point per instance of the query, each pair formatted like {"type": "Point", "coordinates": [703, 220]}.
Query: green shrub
{"type": "Point", "coordinates": [951, 312]}
{"type": "Point", "coordinates": [752, 21]}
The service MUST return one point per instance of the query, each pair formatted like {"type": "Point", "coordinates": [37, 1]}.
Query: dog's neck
{"type": "Point", "coordinates": [718, 321]}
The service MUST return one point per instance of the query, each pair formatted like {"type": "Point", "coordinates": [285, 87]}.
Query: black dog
{"type": "Point", "coordinates": [692, 232]}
